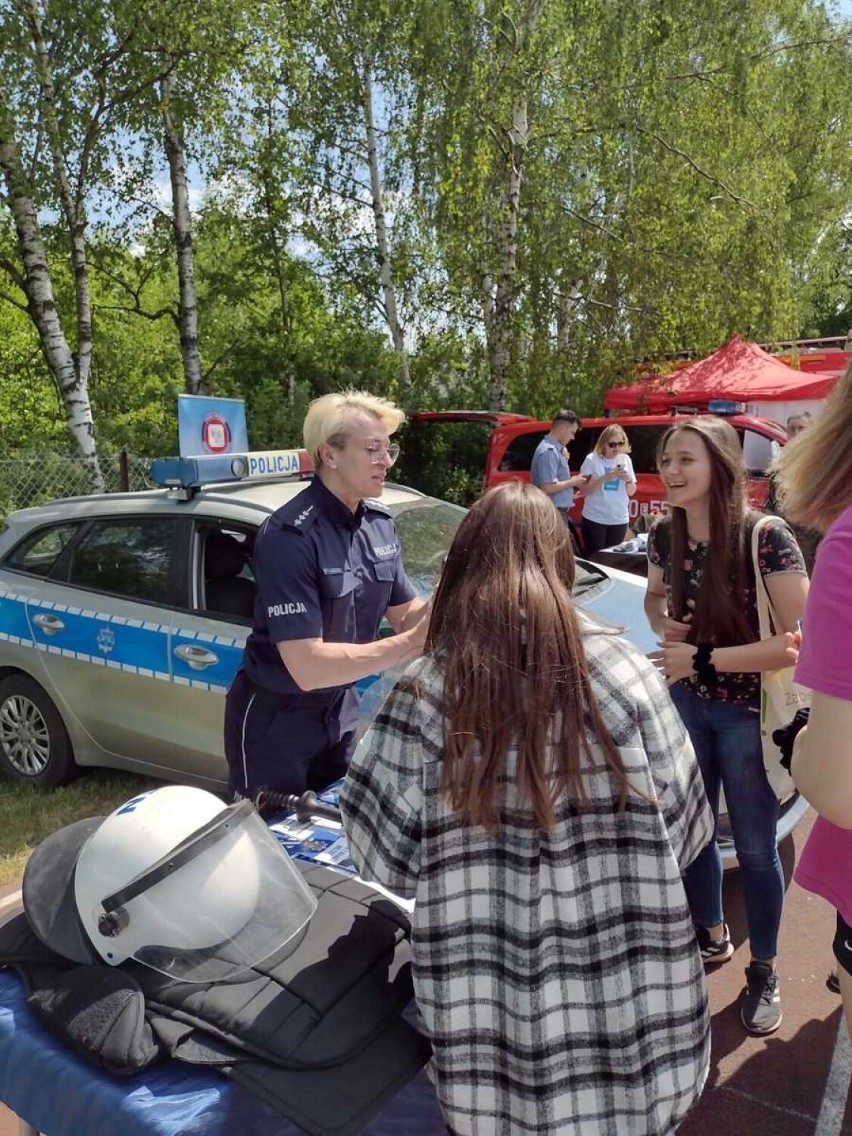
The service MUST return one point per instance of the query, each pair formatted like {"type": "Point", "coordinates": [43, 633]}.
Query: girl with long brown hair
{"type": "Point", "coordinates": [701, 598]}
{"type": "Point", "coordinates": [530, 785]}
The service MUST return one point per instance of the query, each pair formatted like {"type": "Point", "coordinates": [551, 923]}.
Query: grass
{"type": "Point", "coordinates": [29, 814]}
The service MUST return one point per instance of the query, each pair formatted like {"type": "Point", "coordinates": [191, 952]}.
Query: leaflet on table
{"type": "Point", "coordinates": [319, 840]}
{"type": "Point", "coordinates": [322, 842]}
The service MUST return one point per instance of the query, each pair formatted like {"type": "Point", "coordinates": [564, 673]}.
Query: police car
{"type": "Point", "coordinates": [123, 616]}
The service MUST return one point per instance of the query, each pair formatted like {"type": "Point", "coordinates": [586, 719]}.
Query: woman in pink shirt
{"type": "Point", "coordinates": [818, 493]}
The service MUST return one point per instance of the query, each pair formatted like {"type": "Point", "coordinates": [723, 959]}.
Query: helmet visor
{"type": "Point", "coordinates": [223, 900]}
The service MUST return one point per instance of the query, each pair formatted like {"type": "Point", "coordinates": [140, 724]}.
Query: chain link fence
{"type": "Point", "coordinates": [34, 479]}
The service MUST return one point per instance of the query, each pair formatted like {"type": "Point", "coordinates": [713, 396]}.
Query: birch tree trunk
{"type": "Point", "coordinates": [284, 303]}
{"type": "Point", "coordinates": [72, 203]}
{"type": "Point", "coordinates": [280, 279]}
{"type": "Point", "coordinates": [38, 288]}
{"type": "Point", "coordinates": [70, 369]}
{"type": "Point", "coordinates": [175, 148]}
{"type": "Point", "coordinates": [500, 325]}
{"type": "Point", "coordinates": [382, 245]}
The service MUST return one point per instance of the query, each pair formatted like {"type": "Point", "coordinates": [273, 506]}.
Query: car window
{"type": "Point", "coordinates": [518, 455]}
{"type": "Point", "coordinates": [39, 551]}
{"type": "Point", "coordinates": [586, 577]}
{"type": "Point", "coordinates": [758, 451]}
{"type": "Point", "coordinates": [130, 558]}
{"type": "Point", "coordinates": [582, 445]}
{"type": "Point", "coordinates": [519, 452]}
{"type": "Point", "coordinates": [426, 530]}
{"type": "Point", "coordinates": [643, 446]}
{"type": "Point", "coordinates": [227, 572]}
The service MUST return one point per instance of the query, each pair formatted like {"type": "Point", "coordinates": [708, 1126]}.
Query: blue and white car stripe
{"type": "Point", "coordinates": [116, 641]}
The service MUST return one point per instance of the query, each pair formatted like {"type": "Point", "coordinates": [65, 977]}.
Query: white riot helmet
{"type": "Point", "coordinates": [180, 883]}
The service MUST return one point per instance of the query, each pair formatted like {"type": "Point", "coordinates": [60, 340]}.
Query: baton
{"type": "Point", "coordinates": [305, 806]}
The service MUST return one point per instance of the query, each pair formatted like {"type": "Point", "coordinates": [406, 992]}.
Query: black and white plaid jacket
{"type": "Point", "coordinates": [557, 972]}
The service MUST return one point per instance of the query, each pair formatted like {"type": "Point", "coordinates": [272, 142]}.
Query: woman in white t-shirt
{"type": "Point", "coordinates": [610, 481]}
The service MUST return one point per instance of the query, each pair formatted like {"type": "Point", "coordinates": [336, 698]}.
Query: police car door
{"type": "Point", "coordinates": [210, 632]}
{"type": "Point", "coordinates": [102, 626]}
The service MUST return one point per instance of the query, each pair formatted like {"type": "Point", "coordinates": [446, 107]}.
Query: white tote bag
{"type": "Point", "coordinates": [780, 696]}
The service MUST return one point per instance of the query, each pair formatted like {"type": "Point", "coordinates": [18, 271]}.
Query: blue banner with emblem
{"type": "Point", "coordinates": [211, 425]}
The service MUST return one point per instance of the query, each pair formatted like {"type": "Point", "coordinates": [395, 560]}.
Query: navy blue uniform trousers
{"type": "Point", "coordinates": [287, 742]}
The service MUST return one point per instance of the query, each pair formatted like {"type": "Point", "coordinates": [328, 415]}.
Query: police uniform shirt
{"type": "Point", "coordinates": [549, 464]}
{"type": "Point", "coordinates": [323, 572]}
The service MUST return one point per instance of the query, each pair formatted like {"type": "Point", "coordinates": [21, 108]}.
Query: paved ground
{"type": "Point", "coordinates": [794, 1083]}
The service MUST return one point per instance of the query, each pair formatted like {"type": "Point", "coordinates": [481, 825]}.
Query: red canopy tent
{"type": "Point", "coordinates": [739, 371]}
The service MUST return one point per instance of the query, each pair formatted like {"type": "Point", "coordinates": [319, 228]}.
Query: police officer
{"type": "Point", "coordinates": [328, 568]}
{"type": "Point", "coordinates": [550, 470]}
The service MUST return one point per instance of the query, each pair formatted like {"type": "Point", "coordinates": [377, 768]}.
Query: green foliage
{"type": "Point", "coordinates": [444, 459]}
{"type": "Point", "coordinates": [684, 176]}
{"type": "Point", "coordinates": [30, 814]}
{"type": "Point", "coordinates": [29, 406]}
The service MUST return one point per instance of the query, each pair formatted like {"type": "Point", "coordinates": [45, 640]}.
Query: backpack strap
{"type": "Point", "coordinates": [766, 616]}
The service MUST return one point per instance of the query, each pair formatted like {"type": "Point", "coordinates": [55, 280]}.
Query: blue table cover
{"type": "Point", "coordinates": [62, 1095]}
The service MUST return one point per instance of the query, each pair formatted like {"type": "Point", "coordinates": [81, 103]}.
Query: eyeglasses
{"type": "Point", "coordinates": [377, 451]}
{"type": "Point", "coordinates": [615, 445]}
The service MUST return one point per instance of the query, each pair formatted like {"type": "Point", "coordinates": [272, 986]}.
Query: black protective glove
{"type": "Point", "coordinates": [785, 736]}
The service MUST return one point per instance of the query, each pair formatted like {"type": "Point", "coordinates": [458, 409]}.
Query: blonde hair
{"type": "Point", "coordinates": [327, 417]}
{"type": "Point", "coordinates": [611, 433]}
{"type": "Point", "coordinates": [813, 472]}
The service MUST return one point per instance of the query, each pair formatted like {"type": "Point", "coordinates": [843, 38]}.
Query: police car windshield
{"type": "Point", "coordinates": [426, 530]}
{"type": "Point", "coordinates": [587, 577]}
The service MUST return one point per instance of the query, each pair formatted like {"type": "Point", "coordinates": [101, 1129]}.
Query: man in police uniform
{"type": "Point", "coordinates": [550, 470]}
{"type": "Point", "coordinates": [328, 568]}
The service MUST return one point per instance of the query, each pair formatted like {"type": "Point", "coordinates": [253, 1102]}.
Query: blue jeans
{"type": "Point", "coordinates": [727, 744]}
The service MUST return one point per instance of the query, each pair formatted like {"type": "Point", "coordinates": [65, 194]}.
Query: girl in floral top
{"type": "Point", "coordinates": [701, 599]}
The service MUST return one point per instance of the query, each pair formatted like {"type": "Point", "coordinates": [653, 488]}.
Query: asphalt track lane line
{"type": "Point", "coordinates": [10, 900]}
{"type": "Point", "coordinates": [830, 1119]}
{"type": "Point", "coordinates": [764, 1103]}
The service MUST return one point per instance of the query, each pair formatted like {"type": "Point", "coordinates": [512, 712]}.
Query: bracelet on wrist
{"type": "Point", "coordinates": [705, 672]}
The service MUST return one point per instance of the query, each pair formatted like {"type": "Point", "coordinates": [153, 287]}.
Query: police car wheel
{"type": "Point", "coordinates": [34, 744]}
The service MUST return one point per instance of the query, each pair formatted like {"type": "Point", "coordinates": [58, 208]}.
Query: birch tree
{"type": "Point", "coordinates": [188, 62]}
{"type": "Point", "coordinates": [64, 87]}
{"type": "Point", "coordinates": [31, 279]}
{"type": "Point", "coordinates": [62, 141]}
{"type": "Point", "coordinates": [350, 160]}
{"type": "Point", "coordinates": [483, 115]}
{"type": "Point", "coordinates": [377, 199]}
{"type": "Point", "coordinates": [174, 145]}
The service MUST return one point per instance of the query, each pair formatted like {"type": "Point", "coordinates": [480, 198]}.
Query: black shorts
{"type": "Point", "coordinates": [843, 944]}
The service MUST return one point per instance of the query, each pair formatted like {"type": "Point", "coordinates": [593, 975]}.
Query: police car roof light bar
{"type": "Point", "coordinates": [191, 473]}
{"type": "Point", "coordinates": [725, 406]}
